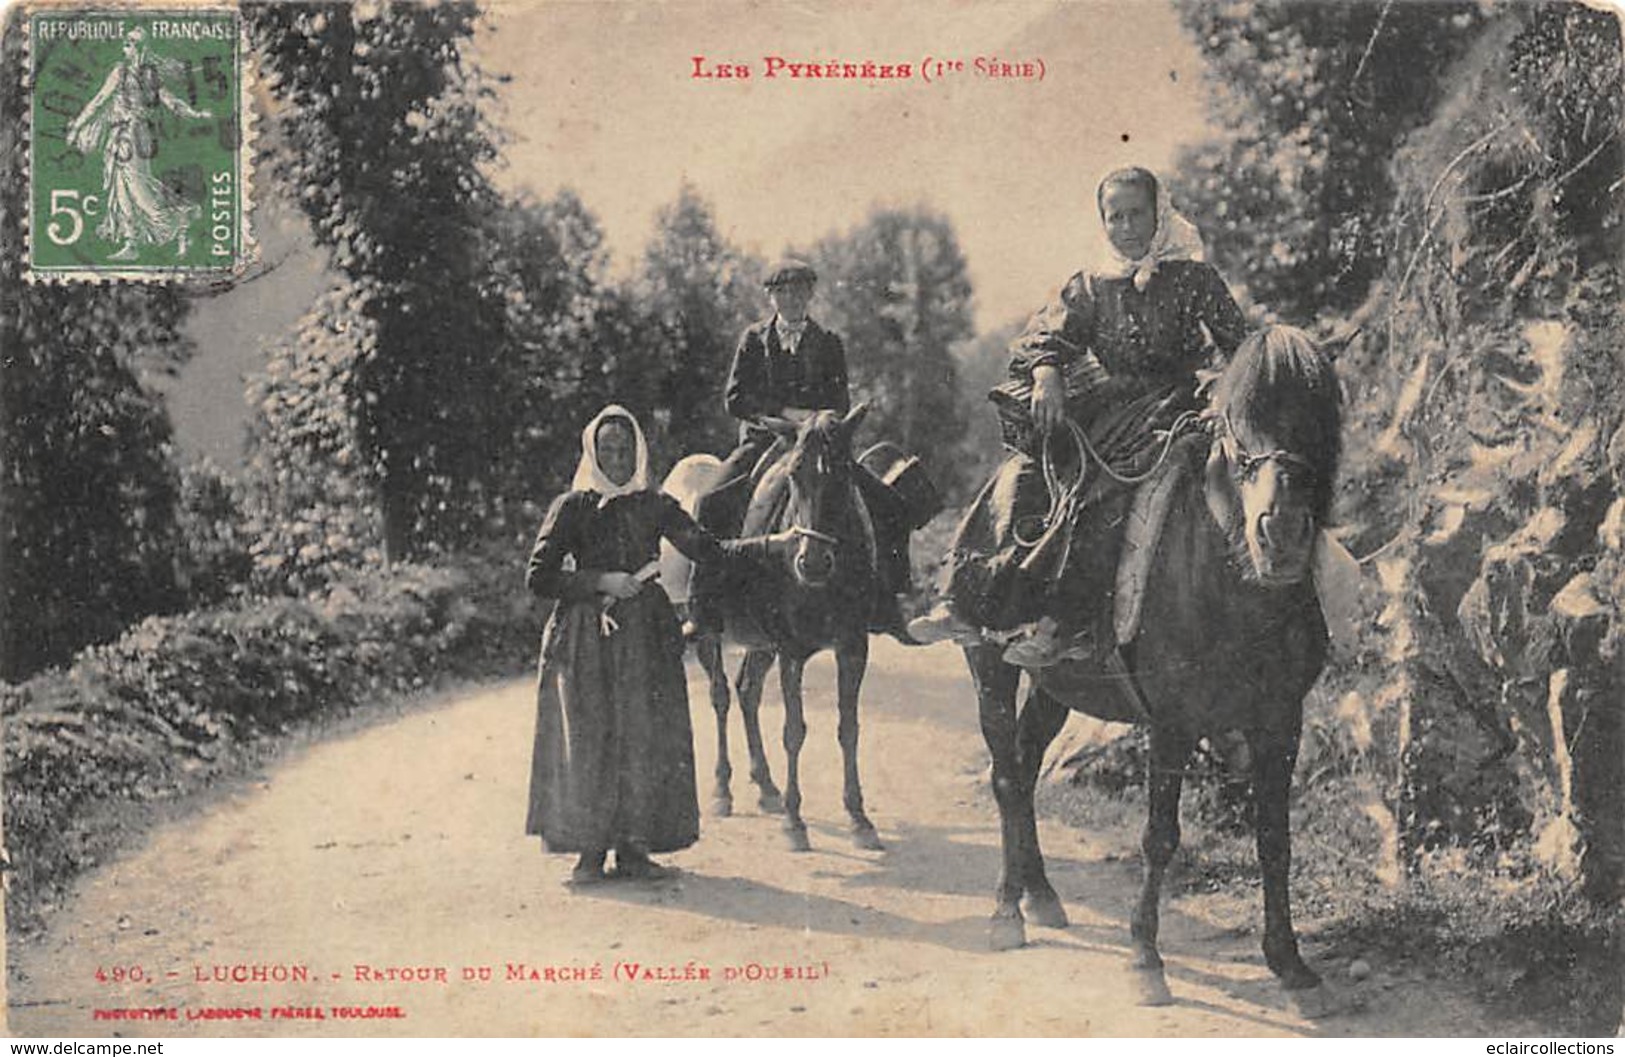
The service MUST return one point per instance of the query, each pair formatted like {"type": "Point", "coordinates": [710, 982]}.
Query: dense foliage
{"type": "Point", "coordinates": [88, 535]}
{"type": "Point", "coordinates": [379, 134]}
{"type": "Point", "coordinates": [1312, 97]}
{"type": "Point", "coordinates": [177, 700]}
{"type": "Point", "coordinates": [1439, 185]}
{"type": "Point", "coordinates": [699, 294]}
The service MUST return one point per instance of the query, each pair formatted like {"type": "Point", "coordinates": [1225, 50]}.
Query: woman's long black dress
{"type": "Point", "coordinates": [613, 765]}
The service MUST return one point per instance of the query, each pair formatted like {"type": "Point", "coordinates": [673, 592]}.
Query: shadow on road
{"type": "Point", "coordinates": [747, 902]}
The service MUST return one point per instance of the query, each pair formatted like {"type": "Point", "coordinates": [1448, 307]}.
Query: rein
{"type": "Point", "coordinates": [822, 537]}
{"type": "Point", "coordinates": [1063, 498]}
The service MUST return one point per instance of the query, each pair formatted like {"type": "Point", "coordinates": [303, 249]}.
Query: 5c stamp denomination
{"type": "Point", "coordinates": [138, 160]}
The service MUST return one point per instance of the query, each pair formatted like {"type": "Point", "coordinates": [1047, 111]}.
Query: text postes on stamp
{"type": "Point", "coordinates": [138, 161]}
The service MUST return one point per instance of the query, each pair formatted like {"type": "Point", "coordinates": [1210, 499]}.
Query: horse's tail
{"type": "Point", "coordinates": [692, 475]}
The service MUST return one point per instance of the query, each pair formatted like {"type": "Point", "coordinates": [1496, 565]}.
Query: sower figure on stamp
{"type": "Point", "coordinates": [120, 121]}
{"type": "Point", "coordinates": [1111, 361]}
{"type": "Point", "coordinates": [785, 370]}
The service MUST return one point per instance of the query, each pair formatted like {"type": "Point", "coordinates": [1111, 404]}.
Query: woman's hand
{"type": "Point", "coordinates": [784, 543]}
{"type": "Point", "coordinates": [1049, 397]}
{"type": "Point", "coordinates": [619, 585]}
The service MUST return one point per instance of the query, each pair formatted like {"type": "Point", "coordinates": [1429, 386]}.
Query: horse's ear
{"type": "Point", "coordinates": [854, 417]}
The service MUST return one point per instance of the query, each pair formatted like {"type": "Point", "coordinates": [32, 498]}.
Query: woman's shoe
{"type": "Point", "coordinates": [1039, 650]}
{"type": "Point", "coordinates": [943, 624]}
{"type": "Point", "coordinates": [641, 868]}
{"type": "Point", "coordinates": [634, 864]}
{"type": "Point", "coordinates": [586, 877]}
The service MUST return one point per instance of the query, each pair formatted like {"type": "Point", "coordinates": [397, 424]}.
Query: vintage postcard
{"type": "Point", "coordinates": [952, 518]}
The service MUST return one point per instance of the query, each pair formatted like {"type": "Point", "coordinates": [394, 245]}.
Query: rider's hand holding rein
{"type": "Point", "coordinates": [1049, 397]}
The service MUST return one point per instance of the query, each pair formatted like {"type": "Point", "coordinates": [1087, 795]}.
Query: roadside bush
{"type": "Point", "coordinates": [176, 700]}
{"type": "Point", "coordinates": [214, 561]}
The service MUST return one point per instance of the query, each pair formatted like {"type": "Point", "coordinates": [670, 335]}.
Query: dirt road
{"type": "Point", "coordinates": [385, 874]}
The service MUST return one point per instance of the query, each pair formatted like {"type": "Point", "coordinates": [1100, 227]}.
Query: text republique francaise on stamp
{"type": "Point", "coordinates": [138, 160]}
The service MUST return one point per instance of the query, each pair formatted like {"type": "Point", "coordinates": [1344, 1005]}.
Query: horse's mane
{"type": "Point", "coordinates": [819, 437]}
{"type": "Point", "coordinates": [1281, 388]}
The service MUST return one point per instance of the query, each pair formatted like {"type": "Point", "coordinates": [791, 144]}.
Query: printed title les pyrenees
{"type": "Point", "coordinates": [778, 67]}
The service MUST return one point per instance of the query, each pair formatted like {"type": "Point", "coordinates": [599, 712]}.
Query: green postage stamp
{"type": "Point", "coordinates": [138, 144]}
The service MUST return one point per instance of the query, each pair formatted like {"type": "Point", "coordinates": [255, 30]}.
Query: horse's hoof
{"type": "Point", "coordinates": [722, 807]}
{"type": "Point", "coordinates": [866, 838]}
{"type": "Point", "coordinates": [797, 836]}
{"type": "Point", "coordinates": [1006, 932]}
{"type": "Point", "coordinates": [1312, 1003]}
{"type": "Point", "coordinates": [1151, 988]}
{"type": "Point", "coordinates": [770, 804]}
{"type": "Point", "coordinates": [1046, 911]}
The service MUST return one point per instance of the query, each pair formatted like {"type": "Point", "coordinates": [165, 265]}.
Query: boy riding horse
{"type": "Point", "coordinates": [786, 369]}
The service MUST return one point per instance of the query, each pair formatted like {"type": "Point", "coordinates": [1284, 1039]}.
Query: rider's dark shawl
{"type": "Point", "coordinates": [1131, 342]}
{"type": "Point", "coordinates": [613, 762]}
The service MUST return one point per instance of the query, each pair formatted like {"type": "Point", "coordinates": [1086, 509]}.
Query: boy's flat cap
{"type": "Point", "coordinates": [788, 272]}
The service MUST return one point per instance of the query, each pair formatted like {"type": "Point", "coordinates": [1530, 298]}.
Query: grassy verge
{"type": "Point", "coordinates": [1529, 946]}
{"type": "Point", "coordinates": [183, 703]}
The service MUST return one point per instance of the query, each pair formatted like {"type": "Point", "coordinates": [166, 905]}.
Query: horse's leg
{"type": "Point", "coordinates": [996, 684]}
{"type": "Point", "coordinates": [795, 736]}
{"type": "Point", "coordinates": [1170, 751]}
{"type": "Point", "coordinates": [851, 659]}
{"type": "Point", "coordinates": [748, 685]}
{"type": "Point", "coordinates": [1274, 757]}
{"type": "Point", "coordinates": [1042, 717]}
{"type": "Point", "coordinates": [708, 651]}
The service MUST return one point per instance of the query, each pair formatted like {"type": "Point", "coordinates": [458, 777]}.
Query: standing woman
{"type": "Point", "coordinates": [613, 765]}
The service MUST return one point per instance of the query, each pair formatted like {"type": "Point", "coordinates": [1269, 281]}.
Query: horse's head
{"type": "Point", "coordinates": [820, 474]}
{"type": "Point", "coordinates": [1271, 471]}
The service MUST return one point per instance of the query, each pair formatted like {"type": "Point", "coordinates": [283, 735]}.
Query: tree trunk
{"type": "Point", "coordinates": [396, 500]}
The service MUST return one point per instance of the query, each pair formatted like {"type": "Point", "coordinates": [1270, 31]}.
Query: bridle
{"type": "Point", "coordinates": [814, 534]}
{"type": "Point", "coordinates": [1247, 464]}
{"type": "Point", "coordinates": [797, 502]}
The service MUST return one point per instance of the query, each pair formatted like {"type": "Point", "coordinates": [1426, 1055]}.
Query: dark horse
{"type": "Point", "coordinates": [819, 600]}
{"type": "Point", "coordinates": [1231, 639]}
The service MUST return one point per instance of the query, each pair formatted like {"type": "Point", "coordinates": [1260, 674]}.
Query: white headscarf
{"type": "Point", "coordinates": [590, 476]}
{"type": "Point", "coordinates": [1176, 239]}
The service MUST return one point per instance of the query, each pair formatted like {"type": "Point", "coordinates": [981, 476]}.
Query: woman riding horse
{"type": "Point", "coordinates": [1119, 348]}
{"type": "Point", "coordinates": [1231, 639]}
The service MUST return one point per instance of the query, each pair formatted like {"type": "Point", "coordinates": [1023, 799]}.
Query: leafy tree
{"type": "Point", "coordinates": [578, 341]}
{"type": "Point", "coordinates": [312, 488]}
{"type": "Point", "coordinates": [898, 293]}
{"type": "Point", "coordinates": [699, 294]}
{"type": "Point", "coordinates": [88, 536]}
{"type": "Point", "coordinates": [379, 133]}
{"type": "Point", "coordinates": [1311, 97]}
